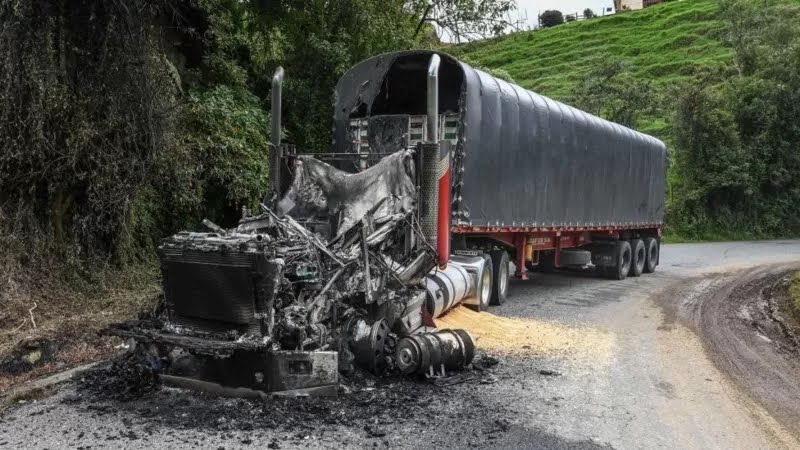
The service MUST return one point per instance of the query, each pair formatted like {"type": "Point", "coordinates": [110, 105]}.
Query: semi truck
{"type": "Point", "coordinates": [443, 181]}
{"type": "Point", "coordinates": [521, 178]}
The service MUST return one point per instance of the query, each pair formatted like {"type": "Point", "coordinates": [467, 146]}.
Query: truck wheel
{"type": "Point", "coordinates": [499, 276]}
{"type": "Point", "coordinates": [622, 261]}
{"type": "Point", "coordinates": [547, 261]}
{"type": "Point", "coordinates": [638, 257]}
{"type": "Point", "coordinates": [484, 287]}
{"type": "Point", "coordinates": [651, 251]}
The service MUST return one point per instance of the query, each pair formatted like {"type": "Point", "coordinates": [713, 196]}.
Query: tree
{"type": "Point", "coordinates": [551, 18]}
{"type": "Point", "coordinates": [713, 164]}
{"type": "Point", "coordinates": [736, 136]}
{"type": "Point", "coordinates": [463, 19]}
{"type": "Point", "coordinates": [610, 90]}
{"type": "Point", "coordinates": [83, 118]}
{"type": "Point", "coordinates": [589, 14]}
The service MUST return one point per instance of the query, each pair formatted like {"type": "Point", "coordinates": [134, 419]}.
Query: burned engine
{"type": "Point", "coordinates": [332, 279]}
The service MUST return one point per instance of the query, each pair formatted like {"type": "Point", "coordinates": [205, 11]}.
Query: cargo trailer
{"type": "Point", "coordinates": [524, 178]}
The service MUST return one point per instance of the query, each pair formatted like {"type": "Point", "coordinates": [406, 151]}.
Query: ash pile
{"type": "Point", "coordinates": [335, 279]}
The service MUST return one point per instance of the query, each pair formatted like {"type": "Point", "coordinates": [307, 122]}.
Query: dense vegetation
{"type": "Point", "coordinates": [717, 80]}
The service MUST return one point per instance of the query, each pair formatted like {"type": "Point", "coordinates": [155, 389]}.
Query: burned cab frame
{"type": "Point", "coordinates": [338, 272]}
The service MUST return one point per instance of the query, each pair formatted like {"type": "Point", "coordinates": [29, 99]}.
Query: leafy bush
{"type": "Point", "coordinates": [611, 91]}
{"type": "Point", "coordinates": [219, 160]}
{"type": "Point", "coordinates": [551, 18]}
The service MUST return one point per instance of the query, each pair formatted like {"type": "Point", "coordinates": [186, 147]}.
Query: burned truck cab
{"type": "Point", "coordinates": [341, 270]}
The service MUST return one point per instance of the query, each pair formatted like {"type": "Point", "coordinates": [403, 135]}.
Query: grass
{"type": "Point", "coordinates": [668, 44]}
{"type": "Point", "coordinates": [794, 293]}
{"type": "Point", "coordinates": [52, 305]}
{"type": "Point", "coordinates": [71, 319]}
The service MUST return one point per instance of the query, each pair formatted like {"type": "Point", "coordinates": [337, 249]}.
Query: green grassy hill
{"type": "Point", "coordinates": [667, 44]}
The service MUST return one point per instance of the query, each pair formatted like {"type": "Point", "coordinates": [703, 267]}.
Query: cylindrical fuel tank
{"type": "Point", "coordinates": [438, 352]}
{"type": "Point", "coordinates": [447, 288]}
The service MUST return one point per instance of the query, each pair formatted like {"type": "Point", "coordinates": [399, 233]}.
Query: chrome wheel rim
{"type": "Point", "coordinates": [503, 273]}
{"type": "Point", "coordinates": [486, 287]}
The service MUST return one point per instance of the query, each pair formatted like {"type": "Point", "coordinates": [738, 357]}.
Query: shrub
{"type": "Point", "coordinates": [551, 18]}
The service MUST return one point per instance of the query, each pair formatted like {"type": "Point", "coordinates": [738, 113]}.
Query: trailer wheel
{"type": "Point", "coordinates": [651, 250]}
{"type": "Point", "coordinates": [638, 257]}
{"type": "Point", "coordinates": [499, 276]}
{"type": "Point", "coordinates": [622, 261]}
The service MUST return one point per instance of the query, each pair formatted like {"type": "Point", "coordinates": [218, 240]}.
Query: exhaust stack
{"type": "Point", "coordinates": [275, 137]}
{"type": "Point", "coordinates": [433, 99]}
{"type": "Point", "coordinates": [442, 167]}
{"type": "Point", "coordinates": [429, 191]}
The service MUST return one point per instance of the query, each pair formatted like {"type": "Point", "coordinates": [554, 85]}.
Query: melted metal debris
{"type": "Point", "coordinates": [276, 299]}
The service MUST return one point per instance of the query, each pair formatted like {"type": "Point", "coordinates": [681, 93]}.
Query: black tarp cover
{"type": "Point", "coordinates": [521, 159]}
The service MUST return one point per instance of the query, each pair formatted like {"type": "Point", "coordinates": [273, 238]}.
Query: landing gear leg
{"type": "Point", "coordinates": [521, 271]}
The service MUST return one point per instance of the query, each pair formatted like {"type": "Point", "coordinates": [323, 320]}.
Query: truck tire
{"type": "Point", "coordinates": [547, 261]}
{"type": "Point", "coordinates": [638, 257]}
{"type": "Point", "coordinates": [622, 261]}
{"type": "Point", "coordinates": [651, 249]}
{"type": "Point", "coordinates": [500, 276]}
{"type": "Point", "coordinates": [484, 287]}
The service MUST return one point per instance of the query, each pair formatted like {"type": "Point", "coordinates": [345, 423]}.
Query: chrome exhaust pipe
{"type": "Point", "coordinates": [442, 175]}
{"type": "Point", "coordinates": [275, 138]}
{"type": "Point", "coordinates": [433, 98]}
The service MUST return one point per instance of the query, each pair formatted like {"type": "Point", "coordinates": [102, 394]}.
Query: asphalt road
{"type": "Point", "coordinates": [662, 368]}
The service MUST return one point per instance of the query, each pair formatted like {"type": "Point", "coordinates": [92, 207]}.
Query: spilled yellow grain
{"type": "Point", "coordinates": [528, 335]}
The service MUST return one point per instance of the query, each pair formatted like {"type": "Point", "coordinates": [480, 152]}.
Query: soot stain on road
{"type": "Point", "coordinates": [390, 411]}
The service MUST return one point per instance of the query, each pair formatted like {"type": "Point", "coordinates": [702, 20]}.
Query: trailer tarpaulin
{"type": "Point", "coordinates": [521, 159]}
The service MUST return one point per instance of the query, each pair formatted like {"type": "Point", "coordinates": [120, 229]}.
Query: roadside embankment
{"type": "Point", "coordinates": [793, 298]}
{"type": "Point", "coordinates": [746, 320]}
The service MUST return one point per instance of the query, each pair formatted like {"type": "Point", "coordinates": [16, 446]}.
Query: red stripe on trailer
{"type": "Point", "coordinates": [526, 229]}
{"type": "Point", "coordinates": [443, 226]}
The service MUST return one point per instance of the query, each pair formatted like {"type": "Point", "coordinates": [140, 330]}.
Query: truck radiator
{"type": "Point", "coordinates": [216, 292]}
